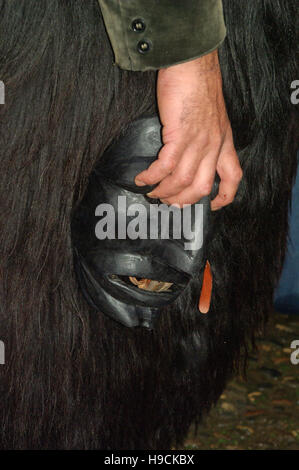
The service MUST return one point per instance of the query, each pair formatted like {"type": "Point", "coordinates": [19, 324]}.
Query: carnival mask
{"type": "Point", "coordinates": [134, 255]}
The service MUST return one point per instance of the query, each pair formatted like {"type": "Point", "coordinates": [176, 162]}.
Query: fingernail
{"type": "Point", "coordinates": [139, 183]}
{"type": "Point", "coordinates": [152, 195]}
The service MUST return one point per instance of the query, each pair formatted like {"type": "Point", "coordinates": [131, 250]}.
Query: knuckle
{"type": "Point", "coordinates": [168, 164]}
{"type": "Point", "coordinates": [203, 143]}
{"type": "Point", "coordinates": [208, 143]}
{"type": "Point", "coordinates": [216, 141]}
{"type": "Point", "coordinates": [206, 188]}
{"type": "Point", "coordinates": [205, 191]}
{"type": "Point", "coordinates": [148, 178]}
{"type": "Point", "coordinates": [236, 174]}
{"type": "Point", "coordinates": [186, 179]}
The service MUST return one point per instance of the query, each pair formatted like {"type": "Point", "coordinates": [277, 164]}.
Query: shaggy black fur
{"type": "Point", "coordinates": [73, 378]}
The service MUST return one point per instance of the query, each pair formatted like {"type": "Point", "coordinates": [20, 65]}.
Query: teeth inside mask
{"type": "Point", "coordinates": [151, 285]}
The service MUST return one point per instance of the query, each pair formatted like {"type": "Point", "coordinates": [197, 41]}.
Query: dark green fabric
{"type": "Point", "coordinates": [176, 30]}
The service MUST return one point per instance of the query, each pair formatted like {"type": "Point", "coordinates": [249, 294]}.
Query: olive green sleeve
{"type": "Point", "coordinates": [152, 34]}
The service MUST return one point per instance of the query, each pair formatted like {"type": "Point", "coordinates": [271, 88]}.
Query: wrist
{"type": "Point", "coordinates": [204, 64]}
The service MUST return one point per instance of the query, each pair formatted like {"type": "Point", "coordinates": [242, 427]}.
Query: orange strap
{"type": "Point", "coordinates": [206, 290]}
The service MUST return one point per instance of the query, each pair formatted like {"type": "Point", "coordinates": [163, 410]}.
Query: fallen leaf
{"type": "Point", "coordinates": [218, 435]}
{"type": "Point", "coordinates": [254, 394]}
{"type": "Point", "coordinates": [228, 407]}
{"type": "Point", "coordinates": [283, 328]}
{"type": "Point", "coordinates": [282, 402]}
{"type": "Point", "coordinates": [288, 378]}
{"type": "Point", "coordinates": [281, 360]}
{"type": "Point", "coordinates": [254, 413]}
{"type": "Point", "coordinates": [245, 428]}
{"type": "Point", "coordinates": [265, 347]}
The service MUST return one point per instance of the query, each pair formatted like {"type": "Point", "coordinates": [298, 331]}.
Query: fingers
{"type": "Point", "coordinates": [182, 177]}
{"type": "Point", "coordinates": [187, 180]}
{"type": "Point", "coordinates": [197, 137]}
{"type": "Point", "coordinates": [162, 167]}
{"type": "Point", "coordinates": [193, 178]}
{"type": "Point", "coordinates": [230, 173]}
{"type": "Point", "coordinates": [201, 186]}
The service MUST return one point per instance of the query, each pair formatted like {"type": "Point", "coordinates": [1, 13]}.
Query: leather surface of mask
{"type": "Point", "coordinates": [131, 280]}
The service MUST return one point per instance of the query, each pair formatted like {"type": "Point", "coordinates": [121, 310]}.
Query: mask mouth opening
{"type": "Point", "coordinates": [146, 284]}
{"type": "Point", "coordinates": [151, 285]}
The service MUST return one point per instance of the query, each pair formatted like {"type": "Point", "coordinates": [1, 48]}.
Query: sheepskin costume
{"type": "Point", "coordinates": [74, 378]}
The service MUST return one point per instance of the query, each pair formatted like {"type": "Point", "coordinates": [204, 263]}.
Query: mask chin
{"type": "Point", "coordinates": [132, 280]}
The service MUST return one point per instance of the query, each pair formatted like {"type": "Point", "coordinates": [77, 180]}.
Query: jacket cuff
{"type": "Point", "coordinates": [152, 34]}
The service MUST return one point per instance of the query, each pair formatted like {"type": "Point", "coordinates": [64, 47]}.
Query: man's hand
{"type": "Point", "coordinates": [196, 134]}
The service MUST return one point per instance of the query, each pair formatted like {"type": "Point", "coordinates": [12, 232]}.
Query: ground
{"type": "Point", "coordinates": [261, 412]}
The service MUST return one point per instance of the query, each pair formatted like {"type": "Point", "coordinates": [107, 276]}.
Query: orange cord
{"type": "Point", "coordinates": [206, 290]}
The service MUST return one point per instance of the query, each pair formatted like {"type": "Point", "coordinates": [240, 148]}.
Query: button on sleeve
{"type": "Point", "coordinates": [151, 34]}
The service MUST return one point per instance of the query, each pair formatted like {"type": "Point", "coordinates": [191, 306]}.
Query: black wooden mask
{"type": "Point", "coordinates": [130, 280]}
